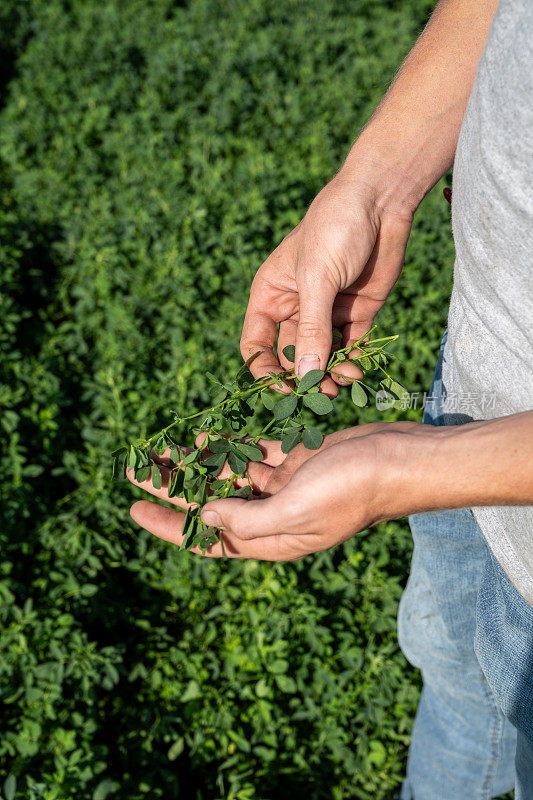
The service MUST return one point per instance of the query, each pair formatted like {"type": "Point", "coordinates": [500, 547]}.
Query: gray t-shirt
{"type": "Point", "coordinates": [488, 357]}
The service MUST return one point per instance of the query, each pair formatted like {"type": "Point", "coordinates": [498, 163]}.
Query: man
{"type": "Point", "coordinates": [466, 618]}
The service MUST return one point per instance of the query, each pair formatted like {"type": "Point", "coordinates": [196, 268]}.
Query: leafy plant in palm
{"type": "Point", "coordinates": [231, 431]}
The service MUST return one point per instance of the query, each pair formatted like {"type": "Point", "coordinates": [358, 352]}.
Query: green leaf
{"type": "Point", "coordinates": [319, 403]}
{"type": "Point", "coordinates": [116, 453]}
{"type": "Point", "coordinates": [377, 755]}
{"type": "Point", "coordinates": [116, 467]}
{"type": "Point", "coordinates": [217, 485]}
{"type": "Point", "coordinates": [262, 688]}
{"type": "Point", "coordinates": [359, 396]}
{"type": "Point", "coordinates": [286, 683]}
{"type": "Point", "coordinates": [174, 455]}
{"type": "Point", "coordinates": [105, 788]}
{"type": "Point", "coordinates": [156, 476]}
{"type": "Point", "coordinates": [289, 352]}
{"type": "Point", "coordinates": [192, 692]}
{"type": "Point", "coordinates": [175, 482]}
{"type": "Point", "coordinates": [285, 406]}
{"type": "Point", "coordinates": [189, 529]}
{"type": "Point", "coordinates": [132, 457]}
{"type": "Point", "coordinates": [311, 378]}
{"type": "Point", "coordinates": [398, 390]}
{"type": "Point", "coordinates": [10, 787]}
{"type": "Point", "coordinates": [313, 438]}
{"type": "Point", "coordinates": [290, 439]}
{"type": "Point", "coordinates": [219, 396]}
{"type": "Point", "coordinates": [252, 357]}
{"type": "Point", "coordinates": [191, 458]}
{"type": "Point", "coordinates": [268, 401]}
{"type": "Point", "coordinates": [237, 464]}
{"type": "Point", "coordinates": [200, 495]}
{"type": "Point", "coordinates": [219, 446]}
{"type": "Point", "coordinates": [176, 749]}
{"type": "Point", "coordinates": [245, 492]}
{"type": "Point", "coordinates": [215, 463]}
{"type": "Point", "coordinates": [249, 451]}
{"type": "Point", "coordinates": [279, 666]}
{"type": "Point", "coordinates": [160, 446]}
{"type": "Point", "coordinates": [141, 459]}
{"type": "Point", "coordinates": [244, 379]}
{"type": "Point", "coordinates": [141, 473]}
{"type": "Point", "coordinates": [237, 421]}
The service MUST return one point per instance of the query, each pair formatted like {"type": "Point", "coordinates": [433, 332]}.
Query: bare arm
{"type": "Point", "coordinates": [415, 128]}
{"type": "Point", "coordinates": [339, 264]}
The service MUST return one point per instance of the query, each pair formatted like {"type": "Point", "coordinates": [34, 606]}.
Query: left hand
{"type": "Point", "coordinates": [308, 500]}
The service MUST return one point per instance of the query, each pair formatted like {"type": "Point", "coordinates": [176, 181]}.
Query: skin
{"type": "Point", "coordinates": [339, 264]}
{"type": "Point", "coordinates": [312, 500]}
{"type": "Point", "coordinates": [336, 269]}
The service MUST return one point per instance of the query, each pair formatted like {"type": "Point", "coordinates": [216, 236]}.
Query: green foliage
{"type": "Point", "coordinates": [151, 156]}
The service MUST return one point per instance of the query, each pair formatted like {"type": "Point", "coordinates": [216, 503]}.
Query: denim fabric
{"type": "Point", "coordinates": [465, 626]}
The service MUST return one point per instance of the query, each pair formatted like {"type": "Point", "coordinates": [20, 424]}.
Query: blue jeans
{"type": "Point", "coordinates": [465, 626]}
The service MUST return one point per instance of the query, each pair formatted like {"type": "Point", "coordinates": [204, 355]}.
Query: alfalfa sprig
{"type": "Point", "coordinates": [232, 433]}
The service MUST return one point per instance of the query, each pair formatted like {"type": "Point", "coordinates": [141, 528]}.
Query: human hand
{"type": "Point", "coordinates": [311, 500]}
{"type": "Point", "coordinates": [282, 478]}
{"type": "Point", "coordinates": [335, 269]}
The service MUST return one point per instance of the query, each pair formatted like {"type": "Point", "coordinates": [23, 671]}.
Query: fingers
{"type": "Point", "coordinates": [313, 336]}
{"type": "Point", "coordinates": [342, 375]}
{"type": "Point", "coordinates": [259, 333]}
{"type": "Point", "coordinates": [168, 524]}
{"type": "Point", "coordinates": [287, 335]}
{"type": "Point", "coordinates": [247, 519]}
{"type": "Point", "coordinates": [346, 373]}
{"type": "Point", "coordinates": [271, 449]}
{"type": "Point", "coordinates": [162, 522]}
{"type": "Point", "coordinates": [378, 277]}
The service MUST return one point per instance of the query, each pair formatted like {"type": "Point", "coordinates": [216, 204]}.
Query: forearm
{"type": "Point", "coordinates": [476, 464]}
{"type": "Point", "coordinates": [412, 137]}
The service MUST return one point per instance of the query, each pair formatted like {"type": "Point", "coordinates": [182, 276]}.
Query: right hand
{"type": "Point", "coordinates": [334, 270]}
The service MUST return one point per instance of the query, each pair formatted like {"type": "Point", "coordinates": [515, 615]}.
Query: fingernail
{"type": "Point", "coordinates": [211, 518]}
{"type": "Point", "coordinates": [306, 364]}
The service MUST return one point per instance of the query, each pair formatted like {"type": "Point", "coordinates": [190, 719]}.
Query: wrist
{"type": "Point", "coordinates": [418, 470]}
{"type": "Point", "coordinates": [392, 183]}
{"type": "Point", "coordinates": [426, 467]}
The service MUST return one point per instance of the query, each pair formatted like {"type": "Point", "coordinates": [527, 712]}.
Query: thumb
{"type": "Point", "coordinates": [247, 519]}
{"type": "Point", "coordinates": [313, 337]}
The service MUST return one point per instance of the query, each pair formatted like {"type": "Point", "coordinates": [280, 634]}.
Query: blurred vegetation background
{"type": "Point", "coordinates": [152, 154]}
